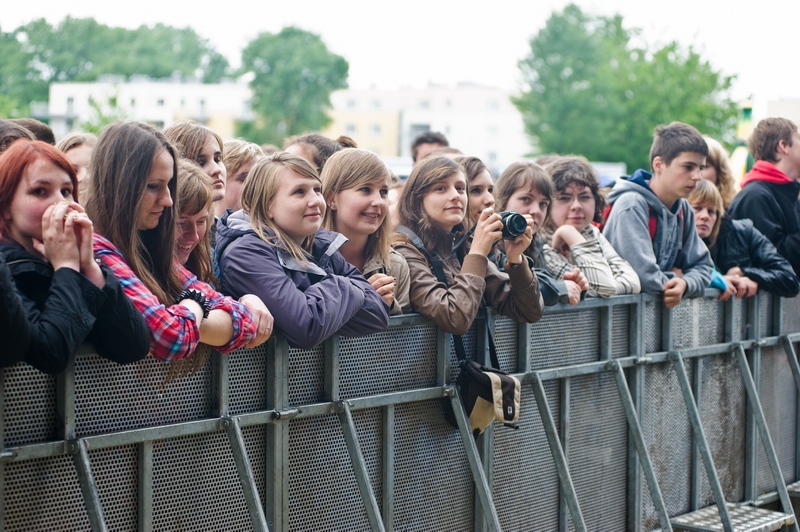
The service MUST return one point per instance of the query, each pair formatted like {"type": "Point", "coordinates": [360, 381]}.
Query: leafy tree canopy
{"type": "Point", "coordinates": [293, 75]}
{"type": "Point", "coordinates": [38, 53]}
{"type": "Point", "coordinates": [590, 90]}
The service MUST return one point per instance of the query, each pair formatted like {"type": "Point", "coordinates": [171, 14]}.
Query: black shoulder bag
{"type": "Point", "coordinates": [487, 393]}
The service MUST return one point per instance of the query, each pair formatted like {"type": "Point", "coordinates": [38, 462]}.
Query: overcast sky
{"type": "Point", "coordinates": [413, 42]}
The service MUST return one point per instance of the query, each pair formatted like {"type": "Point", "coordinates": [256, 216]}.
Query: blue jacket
{"type": "Point", "coordinates": [310, 302]}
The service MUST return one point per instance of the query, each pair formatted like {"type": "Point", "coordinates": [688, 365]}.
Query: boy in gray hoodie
{"type": "Point", "coordinates": [650, 223]}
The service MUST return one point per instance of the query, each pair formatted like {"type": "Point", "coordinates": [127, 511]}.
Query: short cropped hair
{"type": "Point", "coordinates": [427, 137]}
{"type": "Point", "coordinates": [671, 140]}
{"type": "Point", "coordinates": [39, 129]}
{"type": "Point", "coordinates": [763, 141]}
{"type": "Point", "coordinates": [11, 132]}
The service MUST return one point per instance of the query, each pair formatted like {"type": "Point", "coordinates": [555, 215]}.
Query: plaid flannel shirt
{"type": "Point", "coordinates": [174, 331]}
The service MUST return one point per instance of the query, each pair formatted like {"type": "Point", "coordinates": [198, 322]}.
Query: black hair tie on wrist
{"type": "Point", "coordinates": [197, 297]}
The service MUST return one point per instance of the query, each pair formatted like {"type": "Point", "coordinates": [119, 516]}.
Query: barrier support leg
{"type": "Point", "coordinates": [145, 488]}
{"type": "Point", "coordinates": [700, 440]}
{"type": "Point", "coordinates": [567, 488]}
{"type": "Point", "coordinates": [761, 423]}
{"type": "Point", "coordinates": [342, 408]}
{"type": "Point", "coordinates": [637, 435]}
{"type": "Point", "coordinates": [91, 498]}
{"type": "Point", "coordinates": [478, 476]}
{"type": "Point", "coordinates": [246, 476]}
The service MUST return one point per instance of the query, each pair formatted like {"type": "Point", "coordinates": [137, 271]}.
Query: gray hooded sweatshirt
{"type": "Point", "coordinates": [674, 244]}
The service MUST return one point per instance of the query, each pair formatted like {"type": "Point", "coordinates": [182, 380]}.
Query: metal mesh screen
{"type": "Point", "coordinates": [684, 324]}
{"type": "Point", "coordinates": [323, 494]}
{"type": "Point", "coordinates": [722, 402]}
{"type": "Point", "coordinates": [652, 326]}
{"type": "Point", "coordinates": [791, 315]}
{"type": "Point", "coordinates": [433, 484]}
{"type": "Point", "coordinates": [110, 397]}
{"type": "Point", "coordinates": [43, 494]}
{"type": "Point", "coordinates": [711, 325]}
{"type": "Point", "coordinates": [247, 380]}
{"type": "Point", "coordinates": [506, 333]}
{"type": "Point", "coordinates": [305, 376]}
{"type": "Point", "coordinates": [621, 323]}
{"type": "Point", "coordinates": [400, 359]}
{"type": "Point", "coordinates": [740, 327]}
{"type": "Point", "coordinates": [196, 486]}
{"type": "Point", "coordinates": [553, 346]}
{"type": "Point", "coordinates": [766, 318]}
{"type": "Point", "coordinates": [598, 451]}
{"type": "Point", "coordinates": [114, 472]}
{"type": "Point", "coordinates": [524, 478]}
{"type": "Point", "coordinates": [778, 396]}
{"type": "Point", "coordinates": [29, 405]}
{"type": "Point", "coordinates": [668, 435]}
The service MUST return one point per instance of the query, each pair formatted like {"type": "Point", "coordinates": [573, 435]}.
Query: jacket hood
{"type": "Point", "coordinates": [766, 171]}
{"type": "Point", "coordinates": [639, 183]}
{"type": "Point", "coordinates": [235, 224]}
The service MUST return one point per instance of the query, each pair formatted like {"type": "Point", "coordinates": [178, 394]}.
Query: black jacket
{"type": "Point", "coordinates": [15, 329]}
{"type": "Point", "coordinates": [740, 244]}
{"type": "Point", "coordinates": [64, 308]}
{"type": "Point", "coordinates": [775, 212]}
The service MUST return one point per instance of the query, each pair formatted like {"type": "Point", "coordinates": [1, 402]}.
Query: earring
{"type": "Point", "coordinates": [333, 206]}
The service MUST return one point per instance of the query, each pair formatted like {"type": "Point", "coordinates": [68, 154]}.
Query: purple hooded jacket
{"type": "Point", "coordinates": [310, 302]}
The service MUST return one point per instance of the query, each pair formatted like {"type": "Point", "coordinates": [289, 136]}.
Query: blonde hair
{"type": "Point", "coordinates": [194, 196]}
{"type": "Point", "coordinates": [76, 139]}
{"type": "Point", "coordinates": [705, 193]}
{"type": "Point", "coordinates": [718, 158]}
{"type": "Point", "coordinates": [239, 152]}
{"type": "Point", "coordinates": [258, 197]}
{"type": "Point", "coordinates": [351, 168]}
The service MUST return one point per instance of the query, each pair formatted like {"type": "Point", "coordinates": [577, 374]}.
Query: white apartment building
{"type": "Point", "coordinates": [157, 102]}
{"type": "Point", "coordinates": [476, 119]}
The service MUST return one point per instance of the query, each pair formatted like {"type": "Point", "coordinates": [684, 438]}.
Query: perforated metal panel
{"type": "Point", "coordinates": [524, 477]}
{"type": "Point", "coordinates": [722, 411]}
{"type": "Point", "coordinates": [621, 325]}
{"type": "Point", "coordinates": [43, 494]}
{"type": "Point", "coordinates": [766, 318]}
{"type": "Point", "coordinates": [323, 493]}
{"type": "Point", "coordinates": [668, 436]}
{"type": "Point", "coordinates": [305, 376]}
{"type": "Point", "coordinates": [433, 485]}
{"type": "Point", "coordinates": [196, 486]}
{"type": "Point", "coordinates": [247, 380]}
{"type": "Point", "coordinates": [779, 401]}
{"type": "Point", "coordinates": [505, 341]}
{"type": "Point", "coordinates": [29, 409]}
{"type": "Point", "coordinates": [598, 451]}
{"type": "Point", "coordinates": [711, 321]}
{"type": "Point", "coordinates": [740, 326]}
{"type": "Point", "coordinates": [652, 324]}
{"type": "Point", "coordinates": [566, 338]}
{"type": "Point", "coordinates": [685, 324]}
{"type": "Point", "coordinates": [114, 473]}
{"type": "Point", "coordinates": [469, 339]}
{"type": "Point", "coordinates": [110, 397]}
{"type": "Point", "coordinates": [400, 359]}
{"type": "Point", "coordinates": [791, 315]}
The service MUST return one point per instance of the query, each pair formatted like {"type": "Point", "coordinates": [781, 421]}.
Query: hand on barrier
{"type": "Point", "coordinates": [261, 316]}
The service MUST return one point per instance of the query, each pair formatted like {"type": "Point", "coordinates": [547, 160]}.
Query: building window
{"type": "Point", "coordinates": [376, 104]}
{"type": "Point", "coordinates": [491, 157]}
{"type": "Point", "coordinates": [160, 102]}
{"type": "Point", "coordinates": [350, 129]}
{"type": "Point", "coordinates": [493, 105]}
{"type": "Point", "coordinates": [133, 102]}
{"type": "Point", "coordinates": [375, 130]}
{"type": "Point", "coordinates": [70, 105]}
{"type": "Point", "coordinates": [424, 104]}
{"type": "Point", "coordinates": [351, 104]}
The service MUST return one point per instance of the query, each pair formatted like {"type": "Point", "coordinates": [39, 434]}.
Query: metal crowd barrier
{"type": "Point", "coordinates": [351, 435]}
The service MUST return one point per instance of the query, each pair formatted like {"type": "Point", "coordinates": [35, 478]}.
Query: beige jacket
{"type": "Point", "coordinates": [397, 268]}
{"type": "Point", "coordinates": [475, 282]}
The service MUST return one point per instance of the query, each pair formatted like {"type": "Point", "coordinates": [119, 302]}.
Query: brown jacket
{"type": "Point", "coordinates": [475, 282]}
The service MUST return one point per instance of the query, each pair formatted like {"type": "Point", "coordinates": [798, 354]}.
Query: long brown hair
{"type": "Point", "coordinates": [352, 168]}
{"type": "Point", "coordinates": [427, 173]}
{"type": "Point", "coordinates": [118, 172]}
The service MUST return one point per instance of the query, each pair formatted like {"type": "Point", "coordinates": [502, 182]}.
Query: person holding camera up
{"type": "Point", "coordinates": [433, 237]}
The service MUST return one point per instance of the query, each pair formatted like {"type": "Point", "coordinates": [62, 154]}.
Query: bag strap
{"type": "Point", "coordinates": [438, 271]}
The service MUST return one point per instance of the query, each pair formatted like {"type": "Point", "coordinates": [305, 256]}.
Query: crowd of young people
{"type": "Point", "coordinates": [180, 242]}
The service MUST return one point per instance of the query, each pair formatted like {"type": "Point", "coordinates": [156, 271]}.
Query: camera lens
{"type": "Point", "coordinates": [514, 224]}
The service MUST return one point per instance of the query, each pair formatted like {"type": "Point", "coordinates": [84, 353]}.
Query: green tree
{"type": "Point", "coordinates": [19, 81]}
{"type": "Point", "coordinates": [293, 76]}
{"type": "Point", "coordinates": [589, 90]}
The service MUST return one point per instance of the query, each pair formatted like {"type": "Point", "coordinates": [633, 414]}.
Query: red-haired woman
{"type": "Point", "coordinates": [46, 240]}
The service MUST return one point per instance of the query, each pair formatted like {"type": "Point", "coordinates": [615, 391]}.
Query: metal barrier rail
{"type": "Point", "coordinates": [351, 435]}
